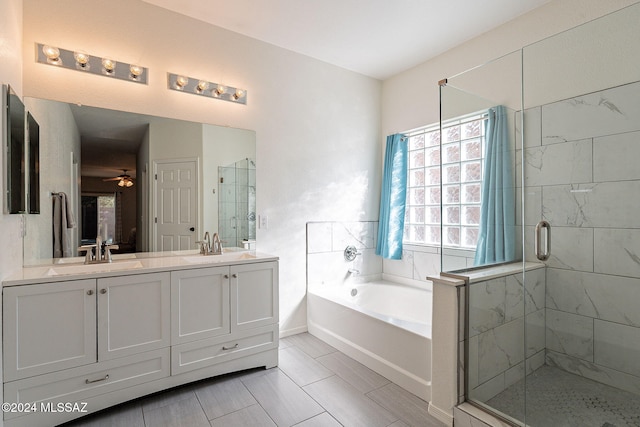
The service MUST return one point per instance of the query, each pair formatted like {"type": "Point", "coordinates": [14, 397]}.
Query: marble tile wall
{"type": "Point", "coordinates": [326, 242]}
{"type": "Point", "coordinates": [418, 262]}
{"type": "Point", "coordinates": [582, 174]}
{"type": "Point", "coordinates": [502, 312]}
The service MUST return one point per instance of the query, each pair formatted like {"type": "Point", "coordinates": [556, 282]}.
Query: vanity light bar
{"type": "Point", "coordinates": [82, 61]}
{"type": "Point", "coordinates": [206, 88]}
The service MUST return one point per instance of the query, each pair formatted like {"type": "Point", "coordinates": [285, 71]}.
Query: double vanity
{"type": "Point", "coordinates": [79, 338]}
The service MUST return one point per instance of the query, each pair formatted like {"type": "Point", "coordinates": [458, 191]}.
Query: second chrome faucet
{"type": "Point", "coordinates": [209, 248]}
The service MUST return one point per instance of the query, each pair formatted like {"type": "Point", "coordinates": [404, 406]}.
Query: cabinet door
{"type": "Point", "coordinates": [254, 295]}
{"type": "Point", "coordinates": [48, 327]}
{"type": "Point", "coordinates": [133, 314]}
{"type": "Point", "coordinates": [199, 304]}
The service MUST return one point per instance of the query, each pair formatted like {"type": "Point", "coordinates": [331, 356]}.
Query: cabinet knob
{"type": "Point", "coordinates": [234, 275]}
{"type": "Point", "coordinates": [226, 276]}
{"type": "Point", "coordinates": [90, 292]}
{"type": "Point", "coordinates": [103, 291]}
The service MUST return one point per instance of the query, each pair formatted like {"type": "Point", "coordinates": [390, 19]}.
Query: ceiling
{"type": "Point", "coordinates": [110, 140]}
{"type": "Point", "coordinates": [377, 38]}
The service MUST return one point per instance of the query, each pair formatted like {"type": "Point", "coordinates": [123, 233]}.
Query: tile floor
{"type": "Point", "coordinates": [558, 398]}
{"type": "Point", "coordinates": [314, 385]}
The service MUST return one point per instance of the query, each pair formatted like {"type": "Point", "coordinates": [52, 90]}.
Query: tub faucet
{"type": "Point", "coordinates": [354, 271]}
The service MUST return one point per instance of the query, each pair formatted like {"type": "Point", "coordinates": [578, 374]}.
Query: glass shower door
{"type": "Point", "coordinates": [581, 176]}
{"type": "Point", "coordinates": [498, 351]}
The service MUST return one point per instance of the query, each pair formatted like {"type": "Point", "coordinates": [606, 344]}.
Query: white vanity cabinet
{"type": "Point", "coordinates": [254, 295]}
{"type": "Point", "coordinates": [48, 327]}
{"type": "Point", "coordinates": [199, 304]}
{"type": "Point", "coordinates": [133, 314]}
{"type": "Point", "coordinates": [114, 337]}
{"type": "Point", "coordinates": [250, 293]}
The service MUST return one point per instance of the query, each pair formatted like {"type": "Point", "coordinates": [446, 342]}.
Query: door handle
{"type": "Point", "coordinates": [542, 255]}
{"type": "Point", "coordinates": [192, 229]}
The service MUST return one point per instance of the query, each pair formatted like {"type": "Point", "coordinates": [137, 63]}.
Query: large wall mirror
{"type": "Point", "coordinates": [146, 183]}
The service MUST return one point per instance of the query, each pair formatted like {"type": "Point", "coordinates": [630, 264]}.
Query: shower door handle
{"type": "Point", "coordinates": [542, 255]}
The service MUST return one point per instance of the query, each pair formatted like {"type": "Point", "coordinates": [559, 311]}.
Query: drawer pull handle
{"type": "Point", "coordinates": [103, 291]}
{"type": "Point", "coordinates": [230, 348]}
{"type": "Point", "coordinates": [234, 275]}
{"type": "Point", "coordinates": [226, 276]}
{"type": "Point", "coordinates": [106, 377]}
{"type": "Point", "coordinates": [89, 292]}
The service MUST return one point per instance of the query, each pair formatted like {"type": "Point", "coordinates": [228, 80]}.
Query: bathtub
{"type": "Point", "coordinates": [384, 325]}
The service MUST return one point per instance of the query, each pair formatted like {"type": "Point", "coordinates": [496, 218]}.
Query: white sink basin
{"type": "Point", "coordinates": [93, 268]}
{"type": "Point", "coordinates": [229, 256]}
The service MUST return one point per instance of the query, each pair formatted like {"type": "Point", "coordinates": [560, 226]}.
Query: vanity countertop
{"type": "Point", "coordinates": [126, 264]}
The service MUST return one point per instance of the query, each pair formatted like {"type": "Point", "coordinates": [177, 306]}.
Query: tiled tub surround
{"type": "Point", "coordinates": [362, 306]}
{"type": "Point", "coordinates": [326, 242]}
{"type": "Point", "coordinates": [581, 174]}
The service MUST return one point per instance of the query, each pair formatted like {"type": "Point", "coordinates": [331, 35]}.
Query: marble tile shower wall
{"type": "Point", "coordinates": [498, 315]}
{"type": "Point", "coordinates": [582, 174]}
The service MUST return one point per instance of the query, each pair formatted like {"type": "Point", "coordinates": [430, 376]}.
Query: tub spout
{"type": "Point", "coordinates": [354, 271]}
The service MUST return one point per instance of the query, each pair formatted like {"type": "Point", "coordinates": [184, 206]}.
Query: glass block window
{"type": "Point", "coordinates": [460, 173]}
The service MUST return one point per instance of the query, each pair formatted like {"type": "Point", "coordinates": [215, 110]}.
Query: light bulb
{"type": "Point", "coordinates": [181, 81]}
{"type": "Point", "coordinates": [220, 90]}
{"type": "Point", "coordinates": [109, 65]}
{"type": "Point", "coordinates": [52, 54]}
{"type": "Point", "coordinates": [121, 183]}
{"type": "Point", "coordinates": [238, 94]}
{"type": "Point", "coordinates": [202, 85]}
{"type": "Point", "coordinates": [129, 183]}
{"type": "Point", "coordinates": [81, 58]}
{"type": "Point", "coordinates": [135, 70]}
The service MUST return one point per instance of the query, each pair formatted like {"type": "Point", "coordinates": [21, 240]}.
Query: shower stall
{"type": "Point", "coordinates": [237, 204]}
{"type": "Point", "coordinates": [555, 340]}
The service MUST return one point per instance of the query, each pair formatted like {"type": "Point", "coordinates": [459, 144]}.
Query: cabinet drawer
{"type": "Point", "coordinates": [203, 353]}
{"type": "Point", "coordinates": [74, 385]}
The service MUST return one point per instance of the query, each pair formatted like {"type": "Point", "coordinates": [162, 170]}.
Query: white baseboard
{"type": "Point", "coordinates": [441, 415]}
{"type": "Point", "coordinates": [288, 332]}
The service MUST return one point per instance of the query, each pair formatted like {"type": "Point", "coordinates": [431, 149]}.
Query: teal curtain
{"type": "Point", "coordinates": [393, 198]}
{"type": "Point", "coordinates": [496, 240]}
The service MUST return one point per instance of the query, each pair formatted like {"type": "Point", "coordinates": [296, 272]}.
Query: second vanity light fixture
{"type": "Point", "coordinates": [205, 88]}
{"type": "Point", "coordinates": [82, 61]}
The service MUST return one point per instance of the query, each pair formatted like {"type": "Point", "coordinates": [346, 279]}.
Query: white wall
{"type": "Point", "coordinates": [317, 125]}
{"type": "Point", "coordinates": [410, 99]}
{"type": "Point", "coordinates": [10, 73]}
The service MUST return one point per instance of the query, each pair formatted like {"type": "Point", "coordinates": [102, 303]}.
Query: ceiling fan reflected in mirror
{"type": "Point", "coordinates": [124, 180]}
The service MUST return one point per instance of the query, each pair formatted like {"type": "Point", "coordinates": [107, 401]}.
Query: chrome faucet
{"type": "Point", "coordinates": [205, 249]}
{"type": "Point", "coordinates": [92, 257]}
{"type": "Point", "coordinates": [217, 245]}
{"type": "Point", "coordinates": [205, 244]}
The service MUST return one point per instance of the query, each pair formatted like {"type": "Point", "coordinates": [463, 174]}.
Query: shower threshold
{"type": "Point", "coordinates": [557, 398]}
